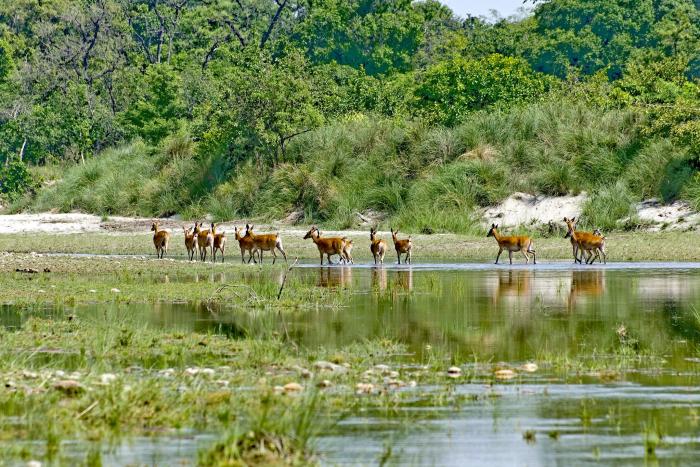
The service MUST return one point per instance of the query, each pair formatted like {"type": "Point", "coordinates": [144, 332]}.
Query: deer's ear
{"type": "Point", "coordinates": [495, 226]}
{"type": "Point", "coordinates": [573, 219]}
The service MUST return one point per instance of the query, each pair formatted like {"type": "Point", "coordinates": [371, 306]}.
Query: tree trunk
{"type": "Point", "coordinates": [21, 151]}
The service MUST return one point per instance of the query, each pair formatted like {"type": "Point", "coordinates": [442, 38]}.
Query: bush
{"type": "Point", "coordinates": [608, 206]}
{"type": "Point", "coordinates": [16, 180]}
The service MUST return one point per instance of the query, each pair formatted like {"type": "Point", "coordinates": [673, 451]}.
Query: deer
{"type": "Point", "coordinates": [521, 243]}
{"type": "Point", "coordinates": [377, 246]}
{"type": "Point", "coordinates": [245, 242]}
{"type": "Point", "coordinates": [190, 242]}
{"type": "Point", "coordinates": [346, 257]}
{"type": "Point", "coordinates": [205, 240]}
{"type": "Point", "coordinates": [326, 246]}
{"type": "Point", "coordinates": [402, 246]}
{"type": "Point", "coordinates": [266, 242]}
{"type": "Point", "coordinates": [160, 240]}
{"type": "Point", "coordinates": [219, 243]}
{"type": "Point", "coordinates": [593, 245]}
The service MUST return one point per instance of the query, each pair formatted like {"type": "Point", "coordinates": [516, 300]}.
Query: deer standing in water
{"type": "Point", "coordinates": [190, 242]}
{"type": "Point", "coordinates": [377, 246]}
{"type": "Point", "coordinates": [346, 257]}
{"type": "Point", "coordinates": [266, 242]}
{"type": "Point", "coordinates": [160, 240]}
{"type": "Point", "coordinates": [593, 245]}
{"type": "Point", "coordinates": [326, 246]}
{"type": "Point", "coordinates": [246, 243]}
{"type": "Point", "coordinates": [205, 240]}
{"type": "Point", "coordinates": [402, 246]}
{"type": "Point", "coordinates": [521, 243]}
{"type": "Point", "coordinates": [219, 243]}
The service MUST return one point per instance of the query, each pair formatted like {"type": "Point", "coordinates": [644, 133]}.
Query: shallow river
{"type": "Point", "coordinates": [485, 314]}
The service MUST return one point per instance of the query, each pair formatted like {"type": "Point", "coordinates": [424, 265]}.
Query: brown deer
{"type": "Point", "coordinates": [377, 246]}
{"type": "Point", "coordinates": [205, 240]}
{"type": "Point", "coordinates": [246, 243]}
{"type": "Point", "coordinates": [219, 243]}
{"type": "Point", "coordinates": [346, 257]}
{"type": "Point", "coordinates": [266, 242]}
{"type": "Point", "coordinates": [160, 240]}
{"type": "Point", "coordinates": [521, 243]}
{"type": "Point", "coordinates": [326, 246]}
{"type": "Point", "coordinates": [593, 245]}
{"type": "Point", "coordinates": [190, 241]}
{"type": "Point", "coordinates": [402, 246]}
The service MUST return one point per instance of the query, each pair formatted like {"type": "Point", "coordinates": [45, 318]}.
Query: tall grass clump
{"type": "Point", "coordinates": [607, 207]}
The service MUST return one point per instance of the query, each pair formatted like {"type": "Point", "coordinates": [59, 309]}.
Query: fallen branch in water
{"type": "Point", "coordinates": [284, 279]}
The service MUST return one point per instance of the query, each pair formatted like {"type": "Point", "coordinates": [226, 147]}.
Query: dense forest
{"type": "Point", "coordinates": [327, 108]}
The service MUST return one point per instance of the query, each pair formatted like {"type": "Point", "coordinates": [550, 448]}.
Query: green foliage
{"type": "Point", "coordinates": [448, 91]}
{"type": "Point", "coordinates": [16, 179]}
{"type": "Point", "coordinates": [607, 206]}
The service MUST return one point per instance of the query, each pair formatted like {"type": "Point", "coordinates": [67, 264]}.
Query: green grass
{"type": "Point", "coordinates": [411, 173]}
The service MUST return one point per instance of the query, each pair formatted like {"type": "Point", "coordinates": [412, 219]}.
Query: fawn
{"type": "Point", "coordinates": [190, 241]}
{"type": "Point", "coordinates": [266, 242]}
{"type": "Point", "coordinates": [402, 246]}
{"type": "Point", "coordinates": [219, 243]}
{"type": "Point", "coordinates": [160, 240]}
{"type": "Point", "coordinates": [326, 246]}
{"type": "Point", "coordinates": [205, 240]}
{"type": "Point", "coordinates": [593, 245]}
{"type": "Point", "coordinates": [520, 243]}
{"type": "Point", "coordinates": [377, 246]}
{"type": "Point", "coordinates": [246, 243]}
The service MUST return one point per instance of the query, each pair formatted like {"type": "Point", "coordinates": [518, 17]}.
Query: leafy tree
{"type": "Point", "coordinates": [450, 90]}
{"type": "Point", "coordinates": [159, 109]}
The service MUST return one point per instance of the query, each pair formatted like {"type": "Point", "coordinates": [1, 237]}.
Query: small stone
{"type": "Point", "coordinates": [454, 372]}
{"type": "Point", "coordinates": [393, 374]}
{"type": "Point", "coordinates": [92, 291]}
{"type": "Point", "coordinates": [207, 371]}
{"type": "Point", "coordinates": [10, 385]}
{"type": "Point", "coordinates": [529, 367]}
{"type": "Point", "coordinates": [278, 389]}
{"type": "Point", "coordinates": [504, 374]}
{"type": "Point", "coordinates": [412, 384]}
{"type": "Point", "coordinates": [107, 378]}
{"type": "Point", "coordinates": [29, 374]}
{"type": "Point", "coordinates": [191, 371]}
{"type": "Point", "coordinates": [68, 386]}
{"type": "Point", "coordinates": [222, 382]}
{"type": "Point", "coordinates": [33, 464]}
{"type": "Point", "coordinates": [59, 373]}
{"type": "Point", "coordinates": [115, 290]}
{"type": "Point", "coordinates": [364, 388]}
{"type": "Point", "coordinates": [328, 366]}
{"type": "Point", "coordinates": [324, 384]}
{"type": "Point", "coordinates": [167, 373]}
{"type": "Point", "coordinates": [293, 387]}
{"type": "Point", "coordinates": [383, 369]}
{"type": "Point", "coordinates": [306, 373]}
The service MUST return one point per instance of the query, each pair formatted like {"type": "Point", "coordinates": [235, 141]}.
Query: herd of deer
{"type": "Point", "coordinates": [589, 244]}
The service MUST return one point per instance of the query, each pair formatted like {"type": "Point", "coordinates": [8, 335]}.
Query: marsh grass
{"type": "Point", "coordinates": [413, 176]}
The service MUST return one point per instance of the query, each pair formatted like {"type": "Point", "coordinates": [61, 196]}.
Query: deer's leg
{"type": "Point", "coordinates": [321, 258]}
{"type": "Point", "coordinates": [532, 250]}
{"type": "Point", "coordinates": [274, 255]}
{"type": "Point", "coordinates": [527, 258]}
{"type": "Point", "coordinates": [510, 256]}
{"type": "Point", "coordinates": [500, 250]}
{"type": "Point", "coordinates": [279, 247]}
{"type": "Point", "coordinates": [398, 253]}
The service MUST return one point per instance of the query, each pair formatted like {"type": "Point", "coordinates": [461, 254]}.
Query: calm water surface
{"type": "Point", "coordinates": [481, 314]}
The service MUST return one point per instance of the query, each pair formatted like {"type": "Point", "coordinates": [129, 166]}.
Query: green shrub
{"type": "Point", "coordinates": [606, 207]}
{"type": "Point", "coordinates": [16, 180]}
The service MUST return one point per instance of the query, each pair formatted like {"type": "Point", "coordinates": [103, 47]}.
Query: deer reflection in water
{"type": "Point", "coordinates": [586, 285]}
{"type": "Point", "coordinates": [400, 280]}
{"type": "Point", "coordinates": [335, 277]}
{"type": "Point", "coordinates": [513, 285]}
